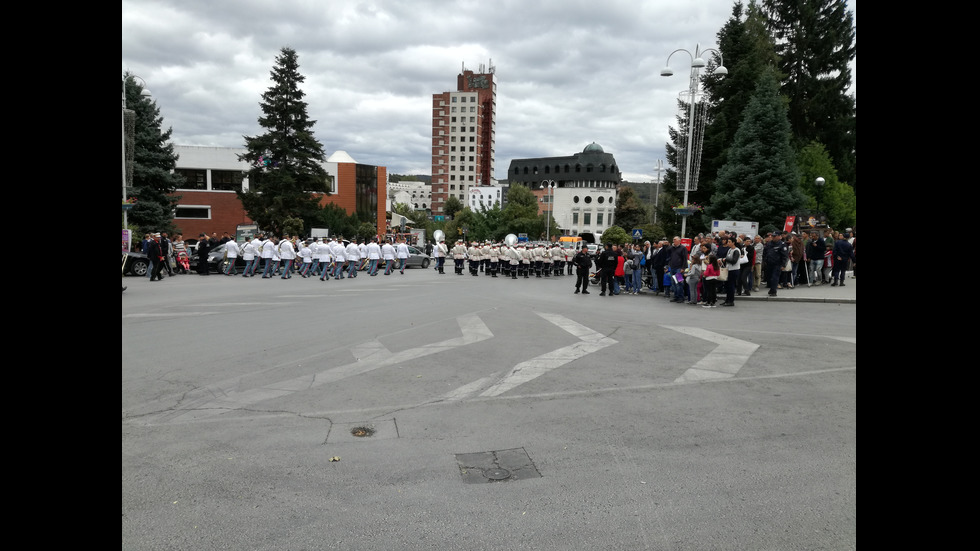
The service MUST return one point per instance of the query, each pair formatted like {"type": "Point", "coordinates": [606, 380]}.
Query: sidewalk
{"type": "Point", "coordinates": [801, 293]}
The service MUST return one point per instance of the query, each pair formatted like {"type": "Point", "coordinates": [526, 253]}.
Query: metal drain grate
{"type": "Point", "coordinates": [496, 466]}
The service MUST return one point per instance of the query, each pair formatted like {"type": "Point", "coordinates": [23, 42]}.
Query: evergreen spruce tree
{"type": "Point", "coordinates": [286, 177]}
{"type": "Point", "coordinates": [748, 50]}
{"type": "Point", "coordinates": [816, 40]}
{"type": "Point", "coordinates": [760, 181]}
{"type": "Point", "coordinates": [153, 180]}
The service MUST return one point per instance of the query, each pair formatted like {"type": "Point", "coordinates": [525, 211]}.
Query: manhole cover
{"type": "Point", "coordinates": [497, 474]}
{"type": "Point", "coordinates": [362, 431]}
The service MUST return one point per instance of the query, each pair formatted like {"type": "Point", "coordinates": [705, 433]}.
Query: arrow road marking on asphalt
{"type": "Point", "coordinates": [722, 362]}
{"type": "Point", "coordinates": [523, 372]}
{"type": "Point", "coordinates": [369, 355]}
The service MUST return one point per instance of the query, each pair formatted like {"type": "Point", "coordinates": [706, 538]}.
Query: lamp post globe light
{"type": "Point", "coordinates": [144, 93]}
{"type": "Point", "coordinates": [697, 63]}
{"type": "Point", "coordinates": [549, 185]}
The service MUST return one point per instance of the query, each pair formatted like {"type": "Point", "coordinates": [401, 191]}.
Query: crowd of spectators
{"type": "Point", "coordinates": [726, 264]}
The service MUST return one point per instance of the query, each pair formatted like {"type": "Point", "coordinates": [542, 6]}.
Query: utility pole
{"type": "Point", "coordinates": [656, 194]}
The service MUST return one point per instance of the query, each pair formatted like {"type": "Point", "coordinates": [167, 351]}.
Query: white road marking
{"type": "Point", "coordinates": [722, 362]}
{"type": "Point", "coordinates": [523, 372]}
{"type": "Point", "coordinates": [368, 356]}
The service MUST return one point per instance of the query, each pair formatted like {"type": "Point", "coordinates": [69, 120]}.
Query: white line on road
{"type": "Point", "coordinates": [722, 362]}
{"type": "Point", "coordinates": [523, 372]}
{"type": "Point", "coordinates": [368, 356]}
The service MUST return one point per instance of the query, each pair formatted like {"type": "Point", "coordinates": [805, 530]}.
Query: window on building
{"type": "Point", "coordinates": [471, 148]}
{"type": "Point", "coordinates": [600, 199]}
{"type": "Point", "coordinates": [547, 169]}
{"type": "Point", "coordinates": [578, 168]}
{"type": "Point", "coordinates": [598, 218]}
{"type": "Point", "coordinates": [575, 199]}
{"type": "Point", "coordinates": [472, 109]}
{"type": "Point", "coordinates": [588, 199]}
{"type": "Point", "coordinates": [472, 129]}
{"type": "Point", "coordinates": [454, 119]}
{"type": "Point", "coordinates": [472, 138]}
{"type": "Point", "coordinates": [454, 99]}
{"type": "Point", "coordinates": [193, 211]}
{"type": "Point", "coordinates": [566, 168]}
{"type": "Point", "coordinates": [574, 218]}
{"type": "Point", "coordinates": [227, 180]}
{"type": "Point", "coordinates": [588, 167]}
{"type": "Point", "coordinates": [193, 178]}
{"type": "Point", "coordinates": [587, 219]}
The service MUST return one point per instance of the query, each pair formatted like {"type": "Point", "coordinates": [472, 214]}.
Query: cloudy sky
{"type": "Point", "coordinates": [569, 72]}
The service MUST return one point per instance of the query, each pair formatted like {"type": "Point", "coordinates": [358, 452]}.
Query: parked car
{"type": "Point", "coordinates": [215, 258]}
{"type": "Point", "coordinates": [135, 263]}
{"type": "Point", "coordinates": [417, 257]}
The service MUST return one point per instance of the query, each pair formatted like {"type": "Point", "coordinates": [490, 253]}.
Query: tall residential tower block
{"type": "Point", "coordinates": [463, 133]}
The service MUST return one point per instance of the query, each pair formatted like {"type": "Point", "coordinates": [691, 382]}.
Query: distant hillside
{"type": "Point", "coordinates": [410, 178]}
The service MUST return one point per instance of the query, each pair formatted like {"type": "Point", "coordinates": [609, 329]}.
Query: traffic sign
{"type": "Point", "coordinates": [637, 233]}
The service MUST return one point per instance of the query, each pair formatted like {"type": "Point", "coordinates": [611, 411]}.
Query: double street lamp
{"type": "Point", "coordinates": [549, 185]}
{"type": "Point", "coordinates": [697, 63]}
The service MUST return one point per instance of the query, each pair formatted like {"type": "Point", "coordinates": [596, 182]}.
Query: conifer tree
{"type": "Point", "coordinates": [815, 41]}
{"type": "Point", "coordinates": [153, 180]}
{"type": "Point", "coordinates": [760, 181]}
{"type": "Point", "coordinates": [285, 175]}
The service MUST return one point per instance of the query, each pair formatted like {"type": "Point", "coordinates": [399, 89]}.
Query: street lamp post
{"type": "Point", "coordinates": [550, 186]}
{"type": "Point", "coordinates": [697, 63]}
{"type": "Point", "coordinates": [819, 182]}
{"type": "Point", "coordinates": [656, 194]}
{"type": "Point", "coordinates": [145, 93]}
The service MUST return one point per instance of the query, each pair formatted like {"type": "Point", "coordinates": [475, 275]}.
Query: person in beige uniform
{"type": "Point", "coordinates": [475, 253]}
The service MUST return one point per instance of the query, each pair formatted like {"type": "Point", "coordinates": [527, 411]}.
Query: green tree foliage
{"type": "Point", "coordinates": [452, 206]}
{"type": "Point", "coordinates": [285, 160]}
{"type": "Point", "coordinates": [748, 50]}
{"type": "Point", "coordinates": [630, 213]}
{"type": "Point", "coordinates": [816, 41]}
{"type": "Point", "coordinates": [760, 181]}
{"type": "Point", "coordinates": [153, 163]}
{"type": "Point", "coordinates": [615, 235]}
{"type": "Point", "coordinates": [336, 219]}
{"type": "Point", "coordinates": [834, 199]}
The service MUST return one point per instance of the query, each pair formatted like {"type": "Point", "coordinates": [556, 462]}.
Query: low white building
{"type": "Point", "coordinates": [485, 197]}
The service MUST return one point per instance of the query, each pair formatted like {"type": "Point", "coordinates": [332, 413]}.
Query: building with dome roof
{"type": "Point", "coordinates": [586, 184]}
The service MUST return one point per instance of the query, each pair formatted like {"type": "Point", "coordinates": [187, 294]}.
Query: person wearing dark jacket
{"type": "Point", "coordinates": [774, 255]}
{"type": "Point", "coordinates": [155, 252]}
{"type": "Point", "coordinates": [659, 261]}
{"type": "Point", "coordinates": [583, 263]}
{"type": "Point", "coordinates": [607, 266]}
{"type": "Point", "coordinates": [843, 253]}
{"type": "Point", "coordinates": [203, 248]}
{"type": "Point", "coordinates": [676, 262]}
{"type": "Point", "coordinates": [815, 251]}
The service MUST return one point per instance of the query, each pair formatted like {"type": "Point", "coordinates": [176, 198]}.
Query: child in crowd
{"type": "Point", "coordinates": [694, 272]}
{"type": "Point", "coordinates": [710, 282]}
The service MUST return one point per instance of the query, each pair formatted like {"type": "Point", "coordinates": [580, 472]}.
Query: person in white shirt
{"type": "Point", "coordinates": [265, 251]}
{"type": "Point", "coordinates": [256, 246]}
{"type": "Point", "coordinates": [442, 251]}
{"type": "Point", "coordinates": [388, 255]}
{"type": "Point", "coordinates": [287, 254]}
{"type": "Point", "coordinates": [339, 257]}
{"type": "Point", "coordinates": [231, 255]}
{"type": "Point", "coordinates": [326, 256]}
{"type": "Point", "coordinates": [305, 255]}
{"type": "Point", "coordinates": [401, 252]}
{"type": "Point", "coordinates": [353, 259]}
{"type": "Point", "coordinates": [248, 255]}
{"type": "Point", "coordinates": [373, 251]}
